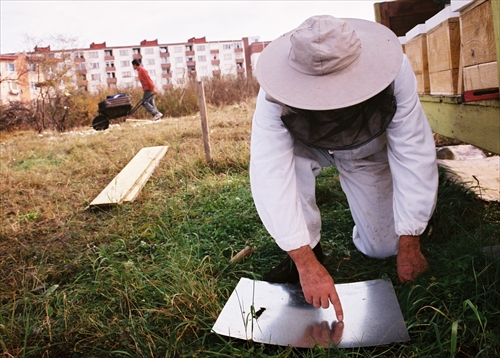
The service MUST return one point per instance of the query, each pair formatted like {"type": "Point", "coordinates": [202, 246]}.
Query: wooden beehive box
{"type": "Point", "coordinates": [415, 49]}
{"type": "Point", "coordinates": [443, 52]}
{"type": "Point", "coordinates": [480, 69]}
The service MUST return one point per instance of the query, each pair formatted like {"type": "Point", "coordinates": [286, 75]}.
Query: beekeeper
{"type": "Point", "coordinates": [341, 92]}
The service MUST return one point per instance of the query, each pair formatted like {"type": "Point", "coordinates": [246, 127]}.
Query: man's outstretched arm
{"type": "Point", "coordinates": [317, 284]}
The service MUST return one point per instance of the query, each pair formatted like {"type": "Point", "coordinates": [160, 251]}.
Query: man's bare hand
{"type": "Point", "coordinates": [317, 284]}
{"type": "Point", "coordinates": [411, 261]}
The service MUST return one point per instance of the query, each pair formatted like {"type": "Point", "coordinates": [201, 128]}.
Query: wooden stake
{"type": "Point", "coordinates": [247, 251]}
{"type": "Point", "coordinates": [204, 122]}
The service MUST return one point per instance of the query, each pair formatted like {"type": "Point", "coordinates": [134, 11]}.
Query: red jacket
{"type": "Point", "coordinates": [147, 84]}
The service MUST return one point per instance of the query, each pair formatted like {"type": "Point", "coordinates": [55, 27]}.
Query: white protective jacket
{"type": "Point", "coordinates": [411, 157]}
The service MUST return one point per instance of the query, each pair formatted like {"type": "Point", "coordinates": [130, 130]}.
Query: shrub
{"type": "Point", "coordinates": [71, 108]}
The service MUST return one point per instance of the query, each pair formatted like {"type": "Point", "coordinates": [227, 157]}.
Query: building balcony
{"type": "Point", "coordinates": [164, 54]}
{"type": "Point", "coordinates": [79, 59]}
{"type": "Point", "coordinates": [109, 58]}
{"type": "Point", "coordinates": [110, 68]}
{"type": "Point", "coordinates": [191, 63]}
{"type": "Point", "coordinates": [166, 75]}
{"type": "Point", "coordinates": [238, 50]}
{"type": "Point", "coordinates": [111, 80]}
{"type": "Point", "coordinates": [212, 52]}
{"type": "Point", "coordinates": [137, 56]}
{"type": "Point", "coordinates": [82, 71]}
{"type": "Point", "coordinates": [216, 72]}
{"type": "Point", "coordinates": [240, 60]}
{"type": "Point", "coordinates": [83, 83]}
{"type": "Point", "coordinates": [165, 65]}
{"type": "Point", "coordinates": [240, 70]}
{"type": "Point", "coordinates": [192, 74]}
{"type": "Point", "coordinates": [190, 53]}
{"type": "Point", "coordinates": [215, 62]}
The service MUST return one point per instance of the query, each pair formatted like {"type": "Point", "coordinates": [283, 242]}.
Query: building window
{"type": "Point", "coordinates": [125, 63]}
{"type": "Point", "coordinates": [149, 51]}
{"type": "Point", "coordinates": [202, 58]}
{"type": "Point", "coordinates": [164, 49]}
{"type": "Point", "coordinates": [80, 66]}
{"type": "Point", "coordinates": [31, 67]}
{"type": "Point", "coordinates": [123, 52]}
{"type": "Point", "coordinates": [226, 46]}
{"type": "Point", "coordinates": [33, 86]}
{"type": "Point", "coordinates": [179, 59]}
{"type": "Point", "coordinates": [108, 52]}
{"type": "Point", "coordinates": [10, 67]}
{"type": "Point", "coordinates": [178, 49]}
{"type": "Point", "coordinates": [94, 65]}
{"type": "Point", "coordinates": [93, 54]}
{"type": "Point", "coordinates": [111, 74]}
{"type": "Point", "coordinates": [79, 55]}
{"type": "Point", "coordinates": [152, 72]}
{"type": "Point", "coordinates": [126, 74]}
{"type": "Point", "coordinates": [110, 64]}
{"type": "Point", "coordinates": [238, 45]}
{"type": "Point", "coordinates": [200, 48]}
{"type": "Point", "coordinates": [165, 60]}
{"type": "Point", "coordinates": [96, 77]}
{"type": "Point", "coordinates": [150, 61]}
{"type": "Point", "coordinates": [14, 88]}
{"type": "Point", "coordinates": [137, 51]}
{"type": "Point", "coordinates": [228, 56]}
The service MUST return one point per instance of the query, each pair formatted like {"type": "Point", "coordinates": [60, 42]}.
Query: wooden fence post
{"type": "Point", "coordinates": [204, 122]}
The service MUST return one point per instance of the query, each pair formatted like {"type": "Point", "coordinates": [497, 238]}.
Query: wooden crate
{"type": "Point", "coordinates": [416, 51]}
{"type": "Point", "coordinates": [443, 51]}
{"type": "Point", "coordinates": [482, 76]}
{"type": "Point", "coordinates": [403, 15]}
{"type": "Point", "coordinates": [479, 60]}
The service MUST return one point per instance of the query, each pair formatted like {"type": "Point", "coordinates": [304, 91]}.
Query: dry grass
{"type": "Point", "coordinates": [48, 180]}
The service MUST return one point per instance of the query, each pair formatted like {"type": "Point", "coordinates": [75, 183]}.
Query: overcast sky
{"type": "Point", "coordinates": [127, 23]}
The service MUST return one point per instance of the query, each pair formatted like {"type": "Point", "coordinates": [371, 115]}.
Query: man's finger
{"type": "Point", "coordinates": [317, 302]}
{"type": "Point", "coordinates": [325, 302]}
{"type": "Point", "coordinates": [337, 306]}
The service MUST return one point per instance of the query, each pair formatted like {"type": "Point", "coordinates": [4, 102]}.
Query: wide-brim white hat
{"type": "Point", "coordinates": [329, 63]}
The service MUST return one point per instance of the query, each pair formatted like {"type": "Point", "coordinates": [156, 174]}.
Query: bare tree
{"type": "Point", "coordinates": [51, 74]}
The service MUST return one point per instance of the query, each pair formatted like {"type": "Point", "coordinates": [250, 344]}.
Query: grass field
{"type": "Point", "coordinates": [149, 278]}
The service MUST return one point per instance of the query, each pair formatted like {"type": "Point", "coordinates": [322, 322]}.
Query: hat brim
{"type": "Point", "coordinates": [374, 69]}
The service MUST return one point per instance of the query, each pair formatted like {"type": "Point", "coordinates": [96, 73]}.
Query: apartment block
{"type": "Point", "coordinates": [100, 66]}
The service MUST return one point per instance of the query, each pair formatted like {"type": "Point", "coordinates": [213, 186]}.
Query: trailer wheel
{"type": "Point", "coordinates": [100, 123]}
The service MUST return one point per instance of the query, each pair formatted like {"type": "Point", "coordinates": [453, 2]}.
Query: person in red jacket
{"type": "Point", "coordinates": [149, 90]}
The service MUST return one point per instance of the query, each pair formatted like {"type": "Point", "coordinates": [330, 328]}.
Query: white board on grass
{"type": "Point", "coordinates": [278, 314]}
{"type": "Point", "coordinates": [127, 184]}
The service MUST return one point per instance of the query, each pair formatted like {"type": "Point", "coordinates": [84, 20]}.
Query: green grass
{"type": "Point", "coordinates": [157, 292]}
{"type": "Point", "coordinates": [149, 278]}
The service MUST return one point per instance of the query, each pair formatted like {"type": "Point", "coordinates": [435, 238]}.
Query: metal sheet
{"type": "Point", "coordinates": [278, 314]}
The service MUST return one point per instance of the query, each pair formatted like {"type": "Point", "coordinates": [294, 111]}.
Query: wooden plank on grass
{"type": "Point", "coordinates": [127, 184]}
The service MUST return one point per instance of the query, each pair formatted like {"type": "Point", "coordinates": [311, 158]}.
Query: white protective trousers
{"type": "Point", "coordinates": [390, 183]}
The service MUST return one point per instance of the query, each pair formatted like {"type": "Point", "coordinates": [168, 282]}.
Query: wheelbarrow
{"type": "Point", "coordinates": [113, 107]}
